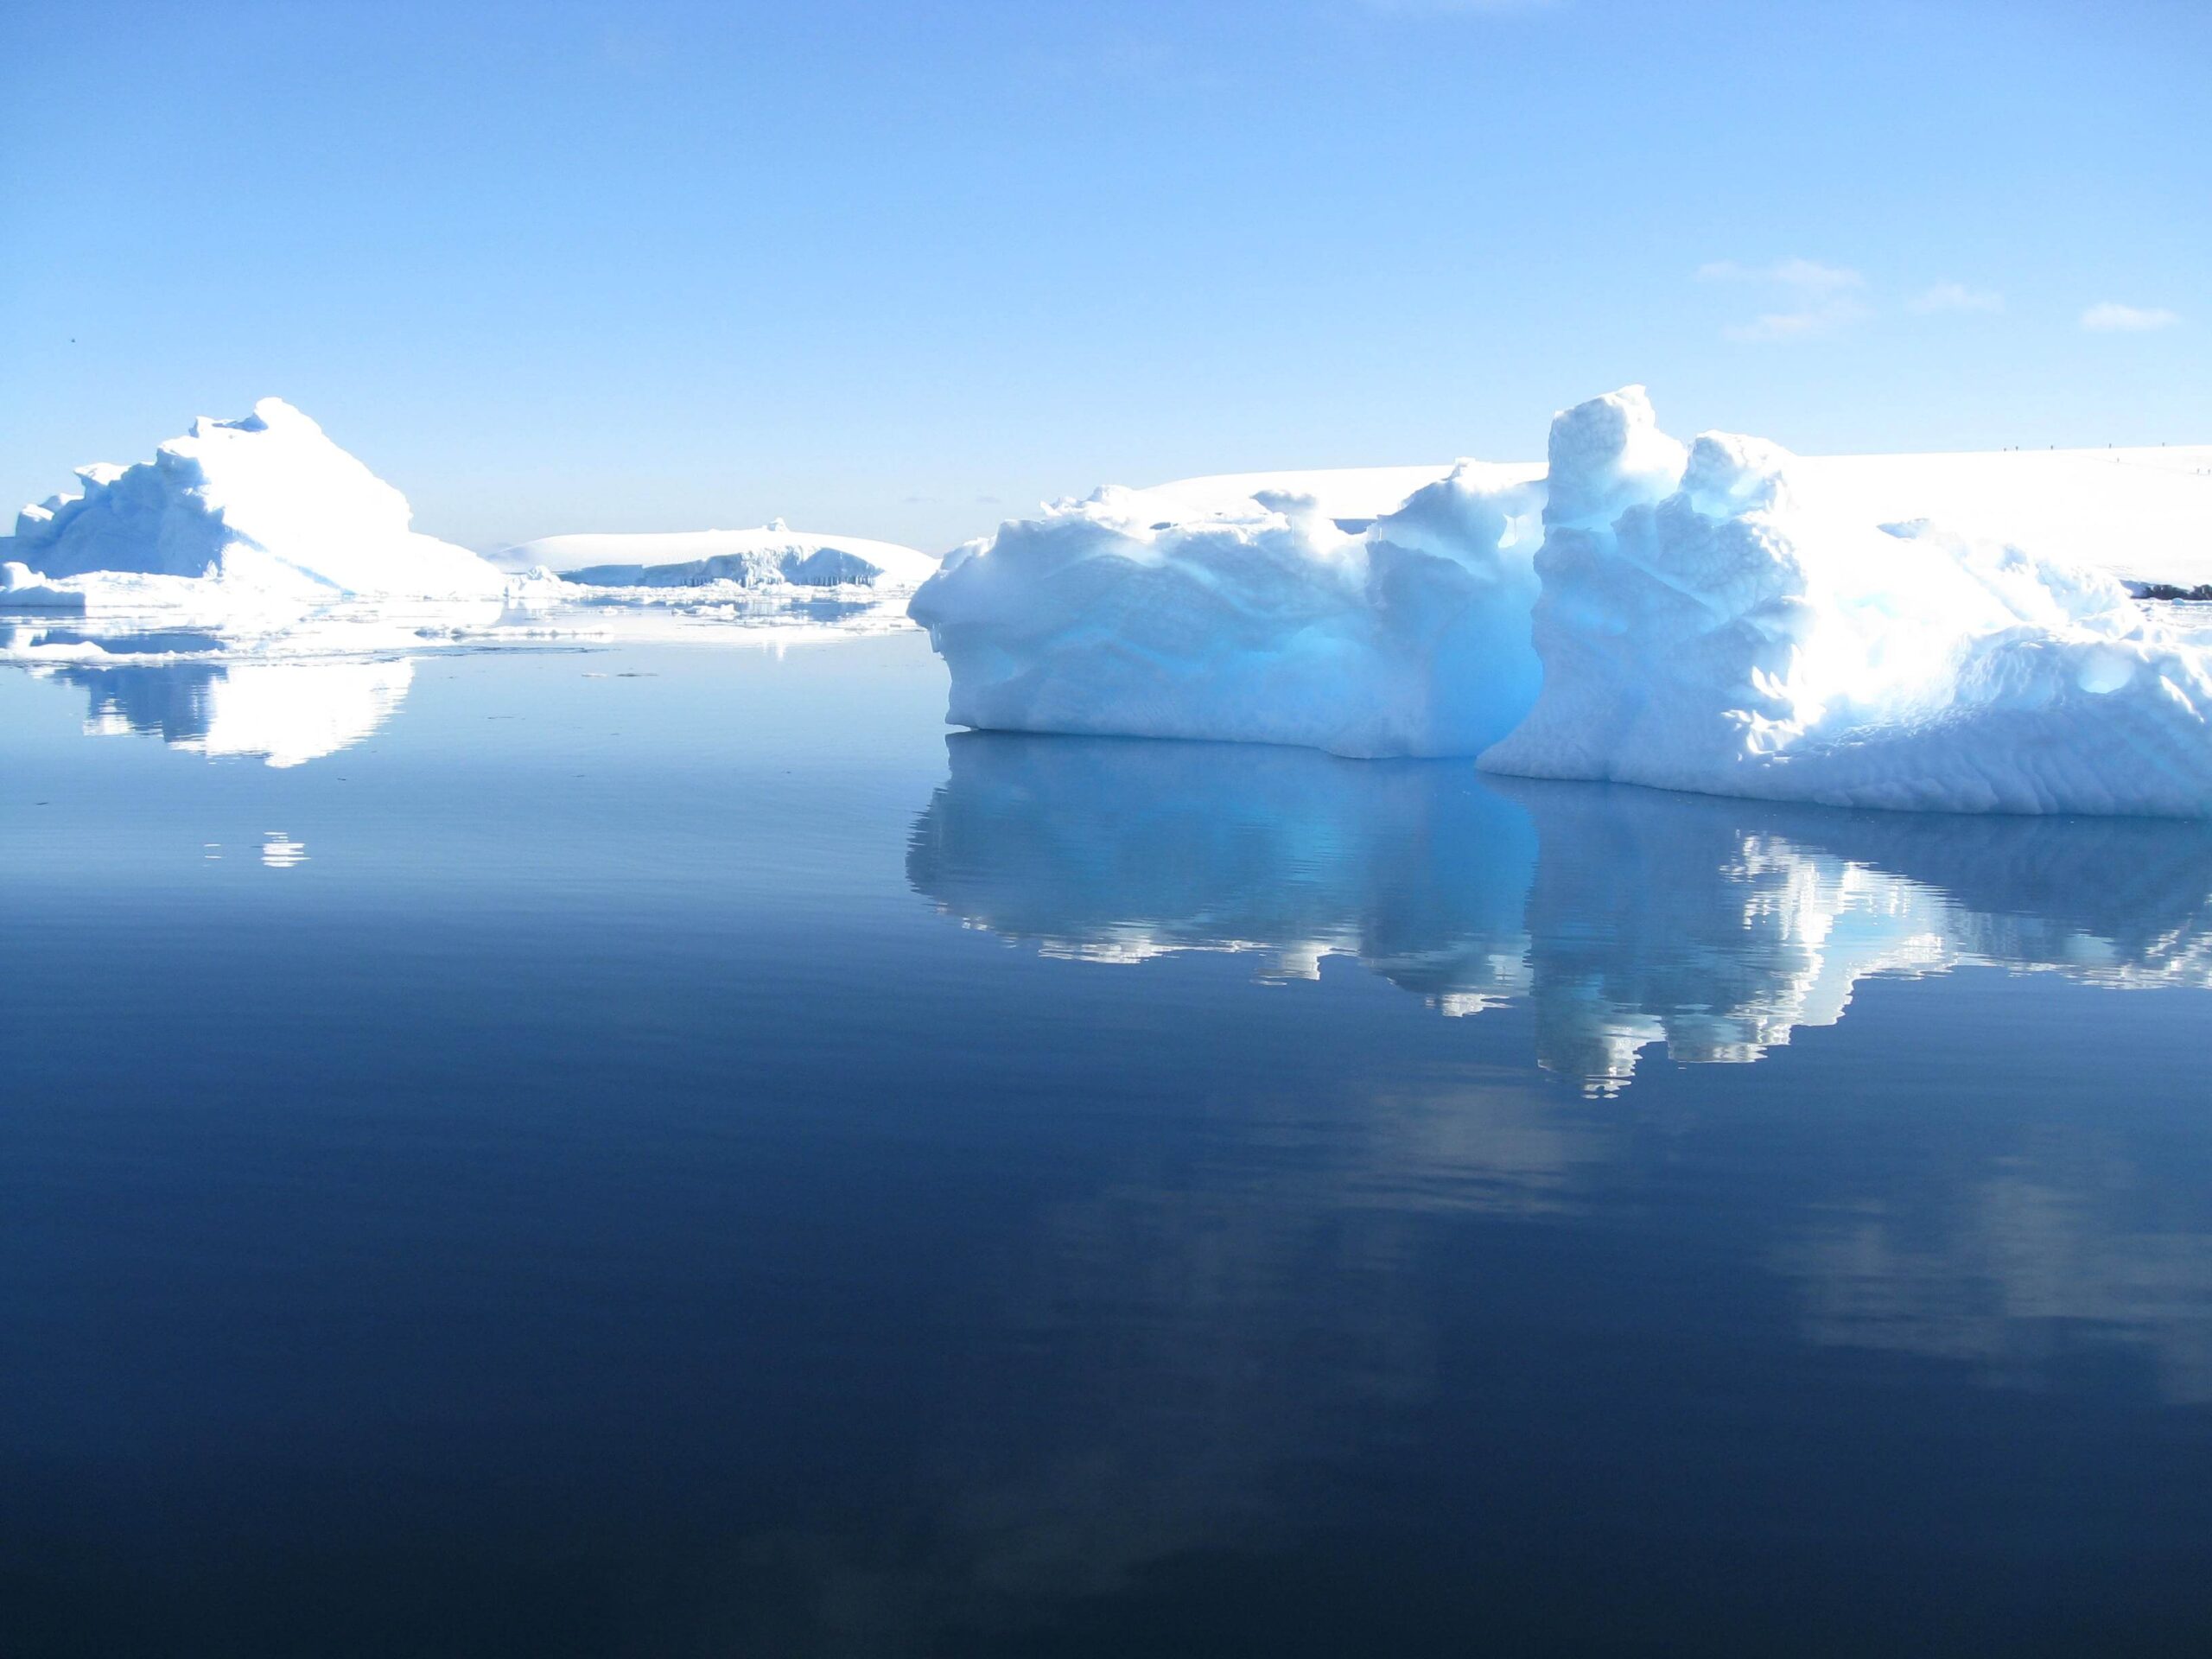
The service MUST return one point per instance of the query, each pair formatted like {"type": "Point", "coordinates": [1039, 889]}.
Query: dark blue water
{"type": "Point", "coordinates": [660, 1153]}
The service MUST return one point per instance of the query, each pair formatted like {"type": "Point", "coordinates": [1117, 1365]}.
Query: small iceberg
{"type": "Point", "coordinates": [772, 555]}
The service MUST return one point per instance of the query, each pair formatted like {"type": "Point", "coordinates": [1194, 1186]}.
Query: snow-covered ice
{"type": "Point", "coordinates": [1703, 627]}
{"type": "Point", "coordinates": [23, 588]}
{"type": "Point", "coordinates": [1720, 617]}
{"type": "Point", "coordinates": [1269, 623]}
{"type": "Point", "coordinates": [772, 555]}
{"type": "Point", "coordinates": [265, 505]}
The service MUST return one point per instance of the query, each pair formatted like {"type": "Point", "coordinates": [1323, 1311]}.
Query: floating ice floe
{"type": "Point", "coordinates": [23, 588]}
{"type": "Point", "coordinates": [772, 555]}
{"type": "Point", "coordinates": [1693, 617]}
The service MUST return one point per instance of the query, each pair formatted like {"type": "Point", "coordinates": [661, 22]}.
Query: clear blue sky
{"type": "Point", "coordinates": [903, 269]}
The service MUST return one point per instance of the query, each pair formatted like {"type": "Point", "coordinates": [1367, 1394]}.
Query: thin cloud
{"type": "Point", "coordinates": [1955, 296]}
{"type": "Point", "coordinates": [1825, 298]}
{"type": "Point", "coordinates": [2110, 317]}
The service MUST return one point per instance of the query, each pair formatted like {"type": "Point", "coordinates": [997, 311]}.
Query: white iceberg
{"type": "Point", "coordinates": [1709, 620]}
{"type": "Point", "coordinates": [1269, 623]}
{"type": "Point", "coordinates": [265, 505]}
{"type": "Point", "coordinates": [772, 555]}
{"type": "Point", "coordinates": [1702, 627]}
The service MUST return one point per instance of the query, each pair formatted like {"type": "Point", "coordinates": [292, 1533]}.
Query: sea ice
{"type": "Point", "coordinates": [23, 588]}
{"type": "Point", "coordinates": [265, 505]}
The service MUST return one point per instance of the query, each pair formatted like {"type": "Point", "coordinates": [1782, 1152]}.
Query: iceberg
{"type": "Point", "coordinates": [771, 555]}
{"type": "Point", "coordinates": [1702, 627]}
{"type": "Point", "coordinates": [265, 505]}
{"type": "Point", "coordinates": [1719, 617]}
{"type": "Point", "coordinates": [1272, 623]}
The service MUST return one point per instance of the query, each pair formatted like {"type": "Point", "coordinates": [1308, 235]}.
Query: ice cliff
{"type": "Point", "coordinates": [1647, 612]}
{"type": "Point", "coordinates": [1273, 624]}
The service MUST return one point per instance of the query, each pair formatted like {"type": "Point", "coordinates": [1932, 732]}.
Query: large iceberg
{"type": "Point", "coordinates": [1272, 624]}
{"type": "Point", "coordinates": [265, 505]}
{"type": "Point", "coordinates": [1685, 616]}
{"type": "Point", "coordinates": [772, 555]}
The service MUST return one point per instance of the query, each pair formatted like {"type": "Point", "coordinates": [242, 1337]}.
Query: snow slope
{"type": "Point", "coordinates": [773, 554]}
{"type": "Point", "coordinates": [265, 505]}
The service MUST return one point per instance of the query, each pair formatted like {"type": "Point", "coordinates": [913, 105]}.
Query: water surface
{"type": "Point", "coordinates": [661, 1151]}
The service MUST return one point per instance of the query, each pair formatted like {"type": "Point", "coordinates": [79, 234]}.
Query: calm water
{"type": "Point", "coordinates": [659, 1152]}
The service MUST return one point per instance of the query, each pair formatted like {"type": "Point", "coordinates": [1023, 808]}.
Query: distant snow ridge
{"type": "Point", "coordinates": [1270, 623]}
{"type": "Point", "coordinates": [771, 555]}
{"type": "Point", "coordinates": [1649, 613]}
{"type": "Point", "coordinates": [266, 504]}
{"type": "Point", "coordinates": [1701, 629]}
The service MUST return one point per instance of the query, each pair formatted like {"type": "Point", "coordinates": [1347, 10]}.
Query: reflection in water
{"type": "Point", "coordinates": [2018, 1269]}
{"type": "Point", "coordinates": [1627, 916]}
{"type": "Point", "coordinates": [285, 713]}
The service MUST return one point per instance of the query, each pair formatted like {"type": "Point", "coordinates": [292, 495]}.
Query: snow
{"type": "Point", "coordinates": [771, 554]}
{"type": "Point", "coordinates": [1720, 617]}
{"type": "Point", "coordinates": [265, 505]}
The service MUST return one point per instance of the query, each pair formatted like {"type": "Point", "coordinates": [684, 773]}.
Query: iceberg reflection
{"type": "Point", "coordinates": [1627, 916]}
{"type": "Point", "coordinates": [283, 712]}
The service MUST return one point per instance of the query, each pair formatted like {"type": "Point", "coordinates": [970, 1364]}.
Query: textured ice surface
{"type": "Point", "coordinates": [1720, 617]}
{"type": "Point", "coordinates": [265, 505]}
{"type": "Point", "coordinates": [771, 555]}
{"type": "Point", "coordinates": [1702, 627]}
{"type": "Point", "coordinates": [1268, 623]}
